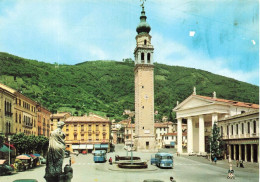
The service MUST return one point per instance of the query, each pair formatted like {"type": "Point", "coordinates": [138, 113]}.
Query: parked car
{"type": "Point", "coordinates": [5, 168]}
{"type": "Point", "coordinates": [192, 154]}
{"type": "Point", "coordinates": [42, 160]}
{"type": "Point", "coordinates": [25, 180]}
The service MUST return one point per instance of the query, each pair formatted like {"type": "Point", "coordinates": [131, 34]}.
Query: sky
{"type": "Point", "coordinates": [219, 36]}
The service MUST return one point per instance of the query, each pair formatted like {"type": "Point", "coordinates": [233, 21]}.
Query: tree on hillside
{"type": "Point", "coordinates": [216, 144]}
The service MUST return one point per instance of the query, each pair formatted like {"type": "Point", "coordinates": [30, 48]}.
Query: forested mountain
{"type": "Point", "coordinates": [107, 87]}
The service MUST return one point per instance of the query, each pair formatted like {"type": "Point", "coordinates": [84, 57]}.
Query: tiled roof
{"type": "Point", "coordinates": [162, 125]}
{"type": "Point", "coordinates": [130, 126]}
{"type": "Point", "coordinates": [234, 103]}
{"type": "Point", "coordinates": [7, 88]}
{"type": "Point", "coordinates": [59, 115]}
{"type": "Point", "coordinates": [175, 134]}
{"type": "Point", "coordinates": [240, 115]}
{"type": "Point", "coordinates": [85, 118]}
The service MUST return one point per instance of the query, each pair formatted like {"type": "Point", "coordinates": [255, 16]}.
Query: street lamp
{"type": "Point", "coordinates": [9, 139]}
{"type": "Point", "coordinates": [130, 114]}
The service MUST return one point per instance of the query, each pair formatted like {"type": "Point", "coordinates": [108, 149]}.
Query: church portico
{"type": "Point", "coordinates": [200, 113]}
{"type": "Point", "coordinates": [198, 130]}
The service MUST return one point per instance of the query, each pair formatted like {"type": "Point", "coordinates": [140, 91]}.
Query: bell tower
{"type": "Point", "coordinates": [144, 87]}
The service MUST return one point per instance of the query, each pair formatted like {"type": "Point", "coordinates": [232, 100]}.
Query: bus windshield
{"type": "Point", "coordinates": [166, 157]}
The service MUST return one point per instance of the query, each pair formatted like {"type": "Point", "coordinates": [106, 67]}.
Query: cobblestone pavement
{"type": "Point", "coordinates": [186, 169]}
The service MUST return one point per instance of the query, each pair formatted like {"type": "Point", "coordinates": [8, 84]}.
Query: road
{"type": "Point", "coordinates": [185, 170]}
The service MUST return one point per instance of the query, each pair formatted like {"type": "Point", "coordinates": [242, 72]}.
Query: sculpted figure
{"type": "Point", "coordinates": [55, 154]}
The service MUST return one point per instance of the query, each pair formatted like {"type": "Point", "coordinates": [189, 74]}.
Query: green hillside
{"type": "Point", "coordinates": [107, 87]}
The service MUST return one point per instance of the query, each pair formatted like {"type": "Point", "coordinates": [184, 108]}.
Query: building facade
{"type": "Point", "coordinates": [144, 88]}
{"type": "Point", "coordinates": [201, 112]}
{"type": "Point", "coordinates": [87, 133]}
{"type": "Point", "coordinates": [162, 129]}
{"type": "Point", "coordinates": [7, 102]}
{"type": "Point", "coordinates": [130, 135]}
{"type": "Point", "coordinates": [43, 120]}
{"type": "Point", "coordinates": [55, 118]}
{"type": "Point", "coordinates": [241, 135]}
{"type": "Point", "coordinates": [19, 113]}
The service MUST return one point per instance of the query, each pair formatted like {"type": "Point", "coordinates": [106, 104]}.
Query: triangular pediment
{"type": "Point", "coordinates": [192, 102]}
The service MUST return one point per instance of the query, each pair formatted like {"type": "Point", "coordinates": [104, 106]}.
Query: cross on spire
{"type": "Point", "coordinates": [142, 5]}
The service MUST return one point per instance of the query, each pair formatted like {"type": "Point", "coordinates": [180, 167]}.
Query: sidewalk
{"type": "Point", "coordinates": [248, 166]}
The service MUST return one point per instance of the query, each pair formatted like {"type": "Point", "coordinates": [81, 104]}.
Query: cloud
{"type": "Point", "coordinates": [174, 53]}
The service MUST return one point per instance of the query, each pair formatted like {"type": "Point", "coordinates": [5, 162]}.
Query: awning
{"type": "Point", "coordinates": [2, 161]}
{"type": "Point", "coordinates": [82, 146]}
{"type": "Point", "coordinates": [5, 149]}
{"type": "Point", "coordinates": [104, 146]}
{"type": "Point", "coordinates": [37, 155]}
{"type": "Point", "coordinates": [11, 146]}
{"type": "Point", "coordinates": [75, 146]}
{"type": "Point", "coordinates": [90, 146]}
{"type": "Point", "coordinates": [97, 146]}
{"type": "Point", "coordinates": [23, 157]}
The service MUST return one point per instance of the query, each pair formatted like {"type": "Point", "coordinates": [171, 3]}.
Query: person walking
{"type": "Point", "coordinates": [110, 160]}
{"type": "Point", "coordinates": [215, 160]}
{"type": "Point", "coordinates": [237, 162]}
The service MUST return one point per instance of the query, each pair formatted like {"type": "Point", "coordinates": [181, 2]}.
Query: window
{"type": "Point", "coordinates": [221, 130]}
{"type": "Point", "coordinates": [82, 127]}
{"type": "Point", "coordinates": [232, 128]}
{"type": "Point", "coordinates": [104, 136]}
{"type": "Point", "coordinates": [75, 137]}
{"type": "Point", "coordinates": [237, 128]}
{"type": "Point", "coordinates": [142, 57]}
{"type": "Point", "coordinates": [75, 127]}
{"type": "Point", "coordinates": [145, 41]}
{"type": "Point", "coordinates": [242, 129]}
{"type": "Point", "coordinates": [254, 123]}
{"type": "Point", "coordinates": [148, 58]}
{"type": "Point", "coordinates": [82, 137]}
{"type": "Point", "coordinates": [248, 127]}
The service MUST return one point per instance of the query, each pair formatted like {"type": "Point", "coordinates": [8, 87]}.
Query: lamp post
{"type": "Point", "coordinates": [130, 114]}
{"type": "Point", "coordinates": [9, 139]}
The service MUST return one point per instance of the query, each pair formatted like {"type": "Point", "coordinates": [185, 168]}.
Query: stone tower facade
{"type": "Point", "coordinates": [144, 88]}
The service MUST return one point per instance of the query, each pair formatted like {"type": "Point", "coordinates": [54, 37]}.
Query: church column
{"type": "Point", "coordinates": [245, 152]}
{"type": "Point", "coordinates": [201, 134]}
{"type": "Point", "coordinates": [190, 135]}
{"type": "Point", "coordinates": [235, 152]}
{"type": "Point", "coordinates": [239, 152]}
{"type": "Point", "coordinates": [214, 118]}
{"type": "Point", "coordinates": [179, 135]}
{"type": "Point", "coordinates": [229, 152]}
{"type": "Point", "coordinates": [252, 153]}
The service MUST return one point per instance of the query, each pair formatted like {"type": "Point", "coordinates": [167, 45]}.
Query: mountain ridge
{"type": "Point", "coordinates": [107, 87]}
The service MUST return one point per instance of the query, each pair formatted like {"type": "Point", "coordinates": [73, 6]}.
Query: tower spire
{"type": "Point", "coordinates": [143, 26]}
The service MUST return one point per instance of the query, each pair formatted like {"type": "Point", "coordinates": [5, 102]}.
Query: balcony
{"type": "Point", "coordinates": [97, 131]}
{"type": "Point", "coordinates": [89, 132]}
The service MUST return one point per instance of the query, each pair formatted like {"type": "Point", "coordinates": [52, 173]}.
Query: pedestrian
{"type": "Point", "coordinates": [172, 179]}
{"type": "Point", "coordinates": [241, 164]}
{"type": "Point", "coordinates": [110, 160]}
{"type": "Point", "coordinates": [70, 161]}
{"type": "Point", "coordinates": [237, 162]}
{"type": "Point", "coordinates": [215, 160]}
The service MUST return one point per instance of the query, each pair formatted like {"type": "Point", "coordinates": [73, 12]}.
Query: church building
{"type": "Point", "coordinates": [201, 112]}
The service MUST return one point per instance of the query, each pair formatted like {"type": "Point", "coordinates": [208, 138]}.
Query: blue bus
{"type": "Point", "coordinates": [163, 160]}
{"type": "Point", "coordinates": [100, 156]}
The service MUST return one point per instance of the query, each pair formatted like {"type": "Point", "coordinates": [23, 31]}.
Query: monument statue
{"type": "Point", "coordinates": [55, 156]}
